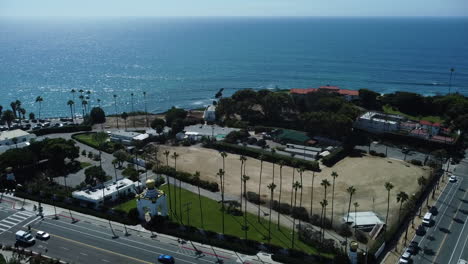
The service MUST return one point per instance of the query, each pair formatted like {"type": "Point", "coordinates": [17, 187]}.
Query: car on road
{"type": "Point", "coordinates": [433, 210]}
{"type": "Point", "coordinates": [413, 248]}
{"type": "Point", "coordinates": [24, 237]}
{"type": "Point", "coordinates": [452, 178]}
{"type": "Point", "coordinates": [421, 231]}
{"type": "Point", "coordinates": [427, 220]}
{"type": "Point", "coordinates": [42, 235]}
{"type": "Point", "coordinates": [166, 259]}
{"type": "Point", "coordinates": [405, 258]}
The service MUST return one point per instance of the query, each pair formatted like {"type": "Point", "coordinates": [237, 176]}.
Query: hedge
{"type": "Point", "coordinates": [337, 155]}
{"type": "Point", "coordinates": [270, 157]}
{"type": "Point", "coordinates": [187, 177]}
{"type": "Point", "coordinates": [65, 129]}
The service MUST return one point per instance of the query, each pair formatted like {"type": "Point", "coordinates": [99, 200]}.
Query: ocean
{"type": "Point", "coordinates": [183, 62]}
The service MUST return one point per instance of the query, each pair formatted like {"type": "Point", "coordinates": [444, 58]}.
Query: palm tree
{"type": "Point", "coordinates": [100, 138]}
{"type": "Point", "coordinates": [197, 178]}
{"type": "Point", "coordinates": [124, 116]}
{"type": "Point", "coordinates": [281, 164]}
{"type": "Point", "coordinates": [175, 156]}
{"type": "Point", "coordinates": [23, 113]}
{"type": "Point", "coordinates": [220, 174]}
{"type": "Point", "coordinates": [325, 183]}
{"type": "Point", "coordinates": [245, 178]}
{"type": "Point", "coordinates": [133, 111]}
{"type": "Point", "coordinates": [8, 117]}
{"type": "Point", "coordinates": [81, 97]}
{"type": "Point", "coordinates": [312, 195]}
{"type": "Point", "coordinates": [39, 100]}
{"type": "Point", "coordinates": [1, 110]}
{"type": "Point", "coordinates": [13, 108]}
{"type": "Point", "coordinates": [259, 186]}
{"type": "Point", "coordinates": [272, 187]}
{"type": "Point", "coordinates": [421, 182]}
{"type": "Point", "coordinates": [450, 81]}
{"type": "Point", "coordinates": [84, 103]}
{"type": "Point", "coordinates": [99, 102]}
{"type": "Point", "coordinates": [324, 204]}
{"type": "Point", "coordinates": [146, 110]}
{"type": "Point", "coordinates": [166, 153]}
{"type": "Point", "coordinates": [401, 198]}
{"type": "Point", "coordinates": [356, 205]}
{"type": "Point", "coordinates": [88, 97]}
{"type": "Point", "coordinates": [351, 191]}
{"type": "Point", "coordinates": [242, 159]}
{"type": "Point", "coordinates": [295, 186]}
{"type": "Point", "coordinates": [301, 171]}
{"type": "Point", "coordinates": [294, 165]}
{"type": "Point", "coordinates": [116, 112]}
{"type": "Point", "coordinates": [334, 176]}
{"type": "Point", "coordinates": [388, 186]}
{"type": "Point", "coordinates": [71, 103]}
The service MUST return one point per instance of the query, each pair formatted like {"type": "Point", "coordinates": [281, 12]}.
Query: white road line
{"type": "Point", "coordinates": [4, 225]}
{"type": "Point", "coordinates": [17, 218]}
{"type": "Point", "coordinates": [64, 248]}
{"type": "Point", "coordinates": [105, 260]}
{"type": "Point", "coordinates": [25, 213]}
{"type": "Point", "coordinates": [84, 254]}
{"type": "Point", "coordinates": [31, 221]}
{"type": "Point", "coordinates": [124, 244]}
{"type": "Point", "coordinates": [8, 222]}
{"type": "Point", "coordinates": [459, 236]}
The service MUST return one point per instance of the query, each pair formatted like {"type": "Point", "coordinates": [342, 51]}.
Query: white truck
{"type": "Point", "coordinates": [25, 237]}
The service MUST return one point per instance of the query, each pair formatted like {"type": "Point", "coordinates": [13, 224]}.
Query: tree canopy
{"type": "Point", "coordinates": [97, 116]}
{"type": "Point", "coordinates": [175, 113]}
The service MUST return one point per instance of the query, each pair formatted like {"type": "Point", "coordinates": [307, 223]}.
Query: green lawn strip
{"type": "Point", "coordinates": [85, 164]}
{"type": "Point", "coordinates": [87, 139]}
{"type": "Point", "coordinates": [212, 221]}
{"type": "Point", "coordinates": [390, 110]}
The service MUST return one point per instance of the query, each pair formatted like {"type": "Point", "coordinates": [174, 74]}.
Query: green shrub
{"type": "Point", "coordinates": [416, 162]}
{"type": "Point", "coordinates": [337, 155]}
{"type": "Point", "coordinates": [270, 157]}
{"type": "Point", "coordinates": [187, 177]}
{"type": "Point", "coordinates": [65, 129]}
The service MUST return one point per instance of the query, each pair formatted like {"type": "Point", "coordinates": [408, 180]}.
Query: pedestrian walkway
{"type": "Point", "coordinates": [13, 220]}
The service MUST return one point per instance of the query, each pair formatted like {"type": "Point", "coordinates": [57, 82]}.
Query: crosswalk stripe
{"type": "Point", "coordinates": [12, 223]}
{"type": "Point", "coordinates": [25, 214]}
{"type": "Point", "coordinates": [17, 218]}
{"type": "Point", "coordinates": [4, 225]}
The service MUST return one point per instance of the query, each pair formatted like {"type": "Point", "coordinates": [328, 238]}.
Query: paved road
{"type": "Point", "coordinates": [90, 241]}
{"type": "Point", "coordinates": [394, 152]}
{"type": "Point", "coordinates": [446, 242]}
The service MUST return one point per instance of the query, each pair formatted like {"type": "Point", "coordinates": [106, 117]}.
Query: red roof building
{"type": "Point", "coordinates": [348, 94]}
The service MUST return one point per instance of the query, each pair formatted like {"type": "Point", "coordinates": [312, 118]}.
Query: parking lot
{"type": "Point", "coordinates": [395, 152]}
{"type": "Point", "coordinates": [37, 124]}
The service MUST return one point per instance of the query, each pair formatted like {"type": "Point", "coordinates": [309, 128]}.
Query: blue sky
{"type": "Point", "coordinates": [233, 7]}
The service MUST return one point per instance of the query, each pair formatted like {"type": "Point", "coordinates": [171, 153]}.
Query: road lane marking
{"type": "Point", "coordinates": [101, 249]}
{"type": "Point", "coordinates": [64, 248]}
{"type": "Point", "coordinates": [459, 236]}
{"type": "Point", "coordinates": [105, 260]}
{"type": "Point", "coordinates": [84, 254]}
{"type": "Point", "coordinates": [121, 238]}
{"type": "Point", "coordinates": [30, 222]}
{"type": "Point", "coordinates": [110, 240]}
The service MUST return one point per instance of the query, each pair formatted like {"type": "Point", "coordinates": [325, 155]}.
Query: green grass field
{"type": "Point", "coordinates": [84, 164]}
{"type": "Point", "coordinates": [212, 221]}
{"type": "Point", "coordinates": [87, 139]}
{"type": "Point", "coordinates": [434, 119]}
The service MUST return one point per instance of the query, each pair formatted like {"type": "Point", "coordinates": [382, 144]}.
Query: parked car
{"type": "Point", "coordinates": [453, 178]}
{"type": "Point", "coordinates": [405, 258]}
{"type": "Point", "coordinates": [421, 231]}
{"type": "Point", "coordinates": [433, 210]}
{"type": "Point", "coordinates": [427, 219]}
{"type": "Point", "coordinates": [166, 259]}
{"type": "Point", "coordinates": [413, 248]}
{"type": "Point", "coordinates": [42, 235]}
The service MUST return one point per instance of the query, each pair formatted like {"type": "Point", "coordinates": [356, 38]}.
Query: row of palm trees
{"type": "Point", "coordinates": [296, 188]}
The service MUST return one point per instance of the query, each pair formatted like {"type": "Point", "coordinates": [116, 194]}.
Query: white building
{"type": "Point", "coordinates": [210, 113]}
{"type": "Point", "coordinates": [126, 137]}
{"type": "Point", "coordinates": [378, 123]}
{"type": "Point", "coordinates": [362, 220]}
{"type": "Point", "coordinates": [151, 201]}
{"type": "Point", "coordinates": [109, 191]}
{"type": "Point", "coordinates": [15, 139]}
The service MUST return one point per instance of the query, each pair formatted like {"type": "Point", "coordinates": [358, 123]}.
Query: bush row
{"type": "Point", "coordinates": [187, 177]}
{"type": "Point", "coordinates": [336, 155]}
{"type": "Point", "coordinates": [378, 154]}
{"type": "Point", "coordinates": [65, 129]}
{"type": "Point", "coordinates": [270, 157]}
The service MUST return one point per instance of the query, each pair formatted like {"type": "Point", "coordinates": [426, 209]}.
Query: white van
{"type": "Point", "coordinates": [427, 219]}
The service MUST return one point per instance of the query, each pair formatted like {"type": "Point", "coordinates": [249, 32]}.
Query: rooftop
{"type": "Point", "coordinates": [95, 194]}
{"type": "Point", "coordinates": [6, 135]}
{"type": "Point", "coordinates": [363, 218]}
{"type": "Point", "coordinates": [325, 88]}
{"type": "Point", "coordinates": [123, 133]}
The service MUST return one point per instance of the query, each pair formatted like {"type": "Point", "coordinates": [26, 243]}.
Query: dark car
{"type": "Point", "coordinates": [433, 210]}
{"type": "Point", "coordinates": [166, 259]}
{"type": "Point", "coordinates": [413, 248]}
{"type": "Point", "coordinates": [421, 231]}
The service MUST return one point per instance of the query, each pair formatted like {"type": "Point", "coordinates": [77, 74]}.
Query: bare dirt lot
{"type": "Point", "coordinates": [367, 174]}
